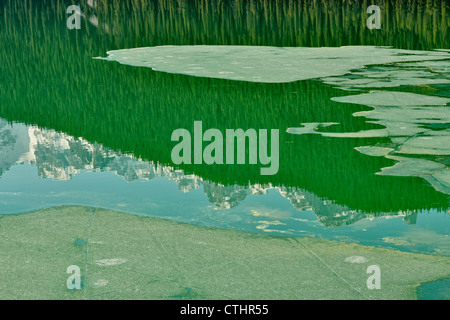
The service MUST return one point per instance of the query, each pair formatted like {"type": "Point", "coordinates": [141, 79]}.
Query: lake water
{"type": "Point", "coordinates": [86, 116]}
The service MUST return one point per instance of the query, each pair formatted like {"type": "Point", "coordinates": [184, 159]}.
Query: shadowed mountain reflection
{"type": "Point", "coordinates": [60, 157]}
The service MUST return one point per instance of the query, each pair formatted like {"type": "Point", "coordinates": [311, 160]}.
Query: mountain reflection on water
{"type": "Point", "coordinates": [60, 157]}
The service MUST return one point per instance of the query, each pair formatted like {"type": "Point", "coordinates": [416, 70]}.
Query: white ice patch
{"type": "Point", "coordinates": [388, 76]}
{"type": "Point", "coordinates": [356, 259]}
{"type": "Point", "coordinates": [393, 99]}
{"type": "Point", "coordinates": [101, 283]}
{"type": "Point", "coordinates": [110, 262]}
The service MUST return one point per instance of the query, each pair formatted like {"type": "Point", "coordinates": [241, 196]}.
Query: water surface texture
{"type": "Point", "coordinates": [86, 116]}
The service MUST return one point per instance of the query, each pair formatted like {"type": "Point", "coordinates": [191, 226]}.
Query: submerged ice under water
{"type": "Point", "coordinates": [416, 124]}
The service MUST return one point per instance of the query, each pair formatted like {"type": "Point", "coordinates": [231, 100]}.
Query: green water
{"type": "Point", "coordinates": [49, 80]}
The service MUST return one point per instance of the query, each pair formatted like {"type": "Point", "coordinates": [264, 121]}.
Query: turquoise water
{"type": "Point", "coordinates": [437, 290]}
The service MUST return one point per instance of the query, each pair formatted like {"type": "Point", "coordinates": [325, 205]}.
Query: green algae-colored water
{"type": "Point", "coordinates": [86, 118]}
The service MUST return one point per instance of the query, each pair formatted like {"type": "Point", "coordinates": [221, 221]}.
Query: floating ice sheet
{"type": "Point", "coordinates": [265, 64]}
{"type": "Point", "coordinates": [416, 125]}
{"type": "Point", "coordinates": [393, 99]}
{"type": "Point", "coordinates": [417, 73]}
{"type": "Point", "coordinates": [437, 174]}
{"type": "Point", "coordinates": [374, 151]}
{"type": "Point", "coordinates": [437, 145]}
{"type": "Point", "coordinates": [411, 167]}
{"type": "Point", "coordinates": [311, 128]}
{"type": "Point", "coordinates": [440, 180]}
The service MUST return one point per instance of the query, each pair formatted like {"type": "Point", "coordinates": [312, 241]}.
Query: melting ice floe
{"type": "Point", "coordinates": [408, 120]}
{"type": "Point", "coordinates": [417, 124]}
{"type": "Point", "coordinates": [266, 64]}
